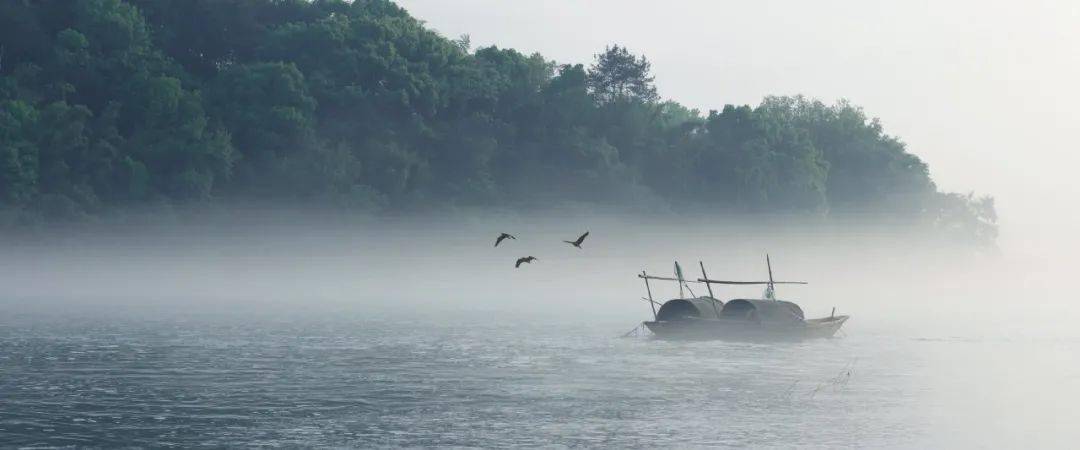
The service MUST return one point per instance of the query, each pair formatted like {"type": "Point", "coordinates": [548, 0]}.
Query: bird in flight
{"type": "Point", "coordinates": [525, 260]}
{"type": "Point", "coordinates": [579, 240]}
{"type": "Point", "coordinates": [503, 237]}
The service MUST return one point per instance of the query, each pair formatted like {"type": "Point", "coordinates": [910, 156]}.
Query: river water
{"type": "Point", "coordinates": [501, 379]}
{"type": "Point", "coordinates": [426, 335]}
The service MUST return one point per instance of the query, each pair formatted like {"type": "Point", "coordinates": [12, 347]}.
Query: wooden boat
{"type": "Point", "coordinates": [706, 317]}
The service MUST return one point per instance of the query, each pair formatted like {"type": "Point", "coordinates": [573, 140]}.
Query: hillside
{"type": "Point", "coordinates": [108, 104]}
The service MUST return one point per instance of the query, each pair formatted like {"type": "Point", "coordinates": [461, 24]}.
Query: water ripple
{"type": "Point", "coordinates": [366, 382]}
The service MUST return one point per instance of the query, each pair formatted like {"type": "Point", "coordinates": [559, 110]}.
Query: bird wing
{"type": "Point", "coordinates": [582, 238]}
{"type": "Point", "coordinates": [518, 263]}
{"type": "Point", "coordinates": [500, 239]}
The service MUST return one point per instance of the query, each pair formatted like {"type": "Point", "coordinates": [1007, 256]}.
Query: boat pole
{"type": "Point", "coordinates": [679, 277]}
{"type": "Point", "coordinates": [709, 285]}
{"type": "Point", "coordinates": [652, 304]}
{"type": "Point", "coordinates": [772, 288]}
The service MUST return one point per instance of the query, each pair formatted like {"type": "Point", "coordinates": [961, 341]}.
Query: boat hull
{"type": "Point", "coordinates": [745, 330]}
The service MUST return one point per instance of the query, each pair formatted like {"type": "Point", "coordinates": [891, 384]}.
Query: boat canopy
{"type": "Point", "coordinates": [763, 310]}
{"type": "Point", "coordinates": [682, 308]}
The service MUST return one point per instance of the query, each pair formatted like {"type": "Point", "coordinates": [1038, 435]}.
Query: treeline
{"type": "Point", "coordinates": [107, 104]}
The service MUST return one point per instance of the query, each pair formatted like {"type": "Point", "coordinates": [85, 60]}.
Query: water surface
{"type": "Point", "coordinates": [495, 380]}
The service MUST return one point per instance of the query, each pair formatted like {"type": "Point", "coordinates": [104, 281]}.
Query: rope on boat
{"type": "Point", "coordinates": [638, 330]}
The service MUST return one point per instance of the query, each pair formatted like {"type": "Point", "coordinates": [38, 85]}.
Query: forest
{"type": "Point", "coordinates": [108, 105]}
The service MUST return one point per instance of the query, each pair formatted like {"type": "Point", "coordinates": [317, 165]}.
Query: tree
{"type": "Point", "coordinates": [18, 152]}
{"type": "Point", "coordinates": [271, 114]}
{"type": "Point", "coordinates": [107, 104]}
{"type": "Point", "coordinates": [619, 76]}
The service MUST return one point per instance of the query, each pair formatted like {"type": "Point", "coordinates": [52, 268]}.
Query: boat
{"type": "Point", "coordinates": [740, 319]}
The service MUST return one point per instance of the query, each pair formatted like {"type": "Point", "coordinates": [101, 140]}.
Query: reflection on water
{"type": "Point", "coordinates": [351, 380]}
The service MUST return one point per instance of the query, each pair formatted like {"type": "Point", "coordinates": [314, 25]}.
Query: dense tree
{"type": "Point", "coordinates": [619, 75]}
{"type": "Point", "coordinates": [355, 104]}
{"type": "Point", "coordinates": [272, 117]}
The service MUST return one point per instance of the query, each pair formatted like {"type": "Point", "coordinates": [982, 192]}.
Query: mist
{"type": "Point", "coordinates": [220, 313]}
{"type": "Point", "coordinates": [974, 330]}
{"type": "Point", "coordinates": [979, 330]}
{"type": "Point", "coordinates": [880, 272]}
{"type": "Point", "coordinates": [982, 91]}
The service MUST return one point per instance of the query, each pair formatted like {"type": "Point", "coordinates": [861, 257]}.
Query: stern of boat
{"type": "Point", "coordinates": [826, 326]}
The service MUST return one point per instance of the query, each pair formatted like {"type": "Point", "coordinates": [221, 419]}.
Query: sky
{"type": "Point", "coordinates": [985, 92]}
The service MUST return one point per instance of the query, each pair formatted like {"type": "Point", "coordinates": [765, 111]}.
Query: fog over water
{"type": "Point", "coordinates": [362, 324]}
{"type": "Point", "coordinates": [982, 91]}
{"type": "Point", "coordinates": [419, 261]}
{"type": "Point", "coordinates": [303, 329]}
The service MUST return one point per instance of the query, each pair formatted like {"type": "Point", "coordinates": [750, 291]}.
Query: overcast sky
{"type": "Point", "coordinates": [985, 92]}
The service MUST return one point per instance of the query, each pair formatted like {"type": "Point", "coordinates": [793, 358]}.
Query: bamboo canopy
{"type": "Point", "coordinates": [762, 310]}
{"type": "Point", "coordinates": [683, 308]}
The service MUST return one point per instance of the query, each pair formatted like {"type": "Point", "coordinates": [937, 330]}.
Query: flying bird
{"type": "Point", "coordinates": [579, 240]}
{"type": "Point", "coordinates": [525, 260]}
{"type": "Point", "coordinates": [503, 237]}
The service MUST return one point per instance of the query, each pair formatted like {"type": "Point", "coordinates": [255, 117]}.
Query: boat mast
{"type": "Point", "coordinates": [652, 304]}
{"type": "Point", "coordinates": [678, 276]}
{"type": "Point", "coordinates": [770, 290]}
{"type": "Point", "coordinates": [709, 285]}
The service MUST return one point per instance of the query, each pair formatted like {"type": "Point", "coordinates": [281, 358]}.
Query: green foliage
{"type": "Point", "coordinates": [966, 217]}
{"type": "Point", "coordinates": [271, 113]}
{"type": "Point", "coordinates": [113, 103]}
{"type": "Point", "coordinates": [18, 152]}
{"type": "Point", "coordinates": [619, 75]}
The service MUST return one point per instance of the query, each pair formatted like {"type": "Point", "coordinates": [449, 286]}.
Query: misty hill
{"type": "Point", "coordinates": [108, 104]}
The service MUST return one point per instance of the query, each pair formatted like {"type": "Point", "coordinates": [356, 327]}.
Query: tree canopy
{"type": "Point", "coordinates": [117, 103]}
{"type": "Point", "coordinates": [620, 76]}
